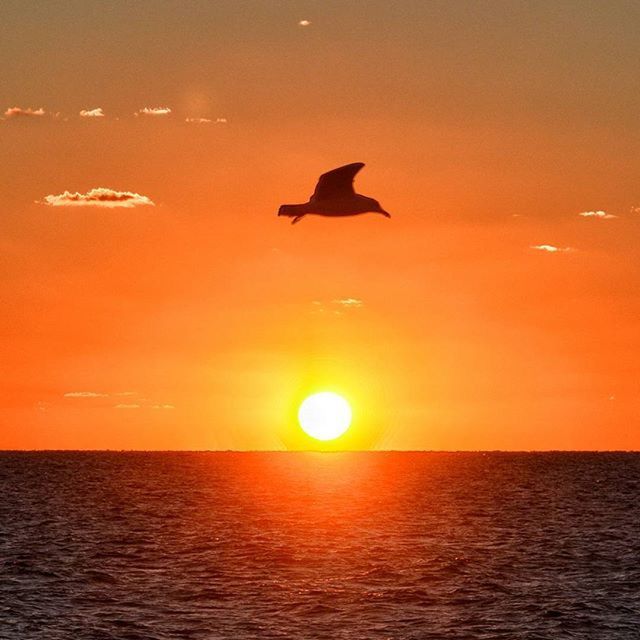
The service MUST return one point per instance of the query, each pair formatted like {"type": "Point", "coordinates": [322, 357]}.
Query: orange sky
{"type": "Point", "coordinates": [200, 321]}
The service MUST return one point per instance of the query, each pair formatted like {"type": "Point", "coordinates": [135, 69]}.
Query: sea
{"type": "Point", "coordinates": [379, 545]}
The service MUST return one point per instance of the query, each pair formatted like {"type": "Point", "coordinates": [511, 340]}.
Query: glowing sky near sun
{"type": "Point", "coordinates": [152, 299]}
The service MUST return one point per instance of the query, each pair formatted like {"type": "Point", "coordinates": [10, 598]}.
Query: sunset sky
{"type": "Point", "coordinates": [499, 308]}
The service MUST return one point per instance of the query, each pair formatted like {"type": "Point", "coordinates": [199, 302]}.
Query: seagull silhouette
{"type": "Point", "coordinates": [334, 197]}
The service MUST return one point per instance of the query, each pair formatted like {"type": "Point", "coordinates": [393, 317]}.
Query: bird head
{"type": "Point", "coordinates": [377, 208]}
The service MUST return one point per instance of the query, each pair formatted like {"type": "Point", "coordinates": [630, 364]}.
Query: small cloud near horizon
{"type": "Point", "coordinates": [602, 215]}
{"type": "Point", "coordinates": [85, 394]}
{"type": "Point", "coordinates": [135, 402]}
{"type": "Point", "coordinates": [138, 405]}
{"type": "Point", "coordinates": [17, 112]}
{"type": "Point", "coordinates": [206, 120]}
{"type": "Point", "coordinates": [337, 306]}
{"type": "Point", "coordinates": [92, 113]}
{"type": "Point", "coordinates": [153, 111]}
{"type": "Point", "coordinates": [99, 197]}
{"type": "Point", "coordinates": [549, 248]}
{"type": "Point", "coordinates": [304, 23]}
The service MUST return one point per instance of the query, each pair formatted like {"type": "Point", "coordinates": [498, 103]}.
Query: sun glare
{"type": "Point", "coordinates": [325, 415]}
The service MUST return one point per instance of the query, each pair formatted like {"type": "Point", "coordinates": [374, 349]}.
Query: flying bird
{"type": "Point", "coordinates": [334, 197]}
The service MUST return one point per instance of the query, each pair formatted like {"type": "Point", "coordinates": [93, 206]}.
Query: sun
{"type": "Point", "coordinates": [324, 415]}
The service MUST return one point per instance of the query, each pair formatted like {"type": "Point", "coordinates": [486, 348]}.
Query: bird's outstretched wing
{"type": "Point", "coordinates": [337, 183]}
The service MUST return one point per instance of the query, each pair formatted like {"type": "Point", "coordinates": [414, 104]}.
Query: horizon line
{"type": "Point", "coordinates": [483, 451]}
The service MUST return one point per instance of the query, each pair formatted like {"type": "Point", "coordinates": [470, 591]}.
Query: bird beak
{"type": "Point", "coordinates": [386, 214]}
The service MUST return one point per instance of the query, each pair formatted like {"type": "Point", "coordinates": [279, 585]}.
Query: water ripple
{"type": "Point", "coordinates": [336, 546]}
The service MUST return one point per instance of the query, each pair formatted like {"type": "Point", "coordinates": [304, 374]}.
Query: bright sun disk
{"type": "Point", "coordinates": [324, 415]}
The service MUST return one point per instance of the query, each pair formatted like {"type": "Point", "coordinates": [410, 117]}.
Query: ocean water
{"type": "Point", "coordinates": [301, 545]}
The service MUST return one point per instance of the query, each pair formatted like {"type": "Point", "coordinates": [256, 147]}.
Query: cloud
{"type": "Point", "coordinates": [348, 302]}
{"type": "Point", "coordinates": [304, 23]}
{"type": "Point", "coordinates": [137, 405]}
{"type": "Point", "coordinates": [337, 306]}
{"type": "Point", "coordinates": [92, 113]}
{"type": "Point", "coordinates": [635, 209]}
{"type": "Point", "coordinates": [100, 197]}
{"type": "Point", "coordinates": [85, 394]}
{"type": "Point", "coordinates": [549, 248]}
{"type": "Point", "coordinates": [17, 112]}
{"type": "Point", "coordinates": [153, 111]}
{"type": "Point", "coordinates": [602, 215]}
{"type": "Point", "coordinates": [133, 400]}
{"type": "Point", "coordinates": [206, 120]}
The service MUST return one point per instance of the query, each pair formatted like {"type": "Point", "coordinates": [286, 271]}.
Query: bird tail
{"type": "Point", "coordinates": [292, 210]}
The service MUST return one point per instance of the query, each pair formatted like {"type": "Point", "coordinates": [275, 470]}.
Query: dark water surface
{"type": "Point", "coordinates": [303, 545]}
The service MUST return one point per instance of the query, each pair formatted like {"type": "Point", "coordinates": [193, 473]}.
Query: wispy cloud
{"type": "Point", "coordinates": [206, 120]}
{"type": "Point", "coordinates": [153, 111]}
{"type": "Point", "coordinates": [134, 401]}
{"type": "Point", "coordinates": [348, 302]}
{"type": "Point", "coordinates": [137, 405]}
{"type": "Point", "coordinates": [549, 248]}
{"type": "Point", "coordinates": [635, 209]}
{"type": "Point", "coordinates": [100, 197]}
{"type": "Point", "coordinates": [17, 112]}
{"type": "Point", "coordinates": [304, 23]}
{"type": "Point", "coordinates": [85, 394]}
{"type": "Point", "coordinates": [602, 215]}
{"type": "Point", "coordinates": [337, 306]}
{"type": "Point", "coordinates": [92, 113]}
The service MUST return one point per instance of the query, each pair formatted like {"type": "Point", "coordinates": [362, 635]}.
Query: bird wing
{"type": "Point", "coordinates": [337, 183]}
